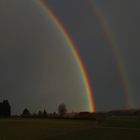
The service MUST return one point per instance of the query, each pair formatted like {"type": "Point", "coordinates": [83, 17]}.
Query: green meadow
{"type": "Point", "coordinates": [114, 128]}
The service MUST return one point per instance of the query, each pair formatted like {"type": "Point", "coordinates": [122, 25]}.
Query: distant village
{"type": "Point", "coordinates": [5, 112]}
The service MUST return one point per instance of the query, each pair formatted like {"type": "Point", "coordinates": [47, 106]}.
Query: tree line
{"type": "Point", "coordinates": [62, 110]}
{"type": "Point", "coordinates": [5, 111]}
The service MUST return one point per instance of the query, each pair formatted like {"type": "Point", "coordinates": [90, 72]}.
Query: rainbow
{"type": "Point", "coordinates": [108, 35]}
{"type": "Point", "coordinates": [75, 53]}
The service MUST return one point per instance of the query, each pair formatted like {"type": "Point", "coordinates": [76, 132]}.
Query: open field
{"type": "Point", "coordinates": [116, 128]}
{"type": "Point", "coordinates": [123, 122]}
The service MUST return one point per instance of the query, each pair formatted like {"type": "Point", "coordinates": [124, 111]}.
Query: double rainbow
{"type": "Point", "coordinates": [111, 42]}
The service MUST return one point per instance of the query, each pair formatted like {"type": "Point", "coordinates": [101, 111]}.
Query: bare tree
{"type": "Point", "coordinates": [62, 110]}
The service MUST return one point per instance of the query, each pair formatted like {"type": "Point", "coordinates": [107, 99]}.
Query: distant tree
{"type": "Point", "coordinates": [34, 115]}
{"type": "Point", "coordinates": [45, 113]}
{"type": "Point", "coordinates": [5, 109]}
{"type": "Point", "coordinates": [54, 114]}
{"type": "Point", "coordinates": [26, 112]}
{"type": "Point", "coordinates": [40, 113]}
{"type": "Point", "coordinates": [1, 110]}
{"type": "Point", "coordinates": [62, 110]}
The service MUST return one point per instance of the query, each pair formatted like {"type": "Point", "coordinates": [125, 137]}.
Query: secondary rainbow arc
{"type": "Point", "coordinates": [115, 50]}
{"type": "Point", "coordinates": [75, 53]}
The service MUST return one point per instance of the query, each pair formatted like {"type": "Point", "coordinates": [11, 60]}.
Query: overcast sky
{"type": "Point", "coordinates": [122, 18]}
{"type": "Point", "coordinates": [37, 68]}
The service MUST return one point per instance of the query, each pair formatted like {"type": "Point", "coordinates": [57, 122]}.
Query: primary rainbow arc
{"type": "Point", "coordinates": [75, 53]}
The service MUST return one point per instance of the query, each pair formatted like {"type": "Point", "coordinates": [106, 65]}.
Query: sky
{"type": "Point", "coordinates": [37, 67]}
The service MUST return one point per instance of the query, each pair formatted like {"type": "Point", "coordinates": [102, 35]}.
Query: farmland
{"type": "Point", "coordinates": [114, 128]}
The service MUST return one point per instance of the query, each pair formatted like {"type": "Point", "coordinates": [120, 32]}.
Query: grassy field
{"type": "Point", "coordinates": [115, 128]}
{"type": "Point", "coordinates": [123, 122]}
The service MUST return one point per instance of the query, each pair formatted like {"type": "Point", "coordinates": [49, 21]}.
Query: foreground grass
{"type": "Point", "coordinates": [33, 129]}
{"type": "Point", "coordinates": [43, 129]}
{"type": "Point", "coordinates": [124, 122]}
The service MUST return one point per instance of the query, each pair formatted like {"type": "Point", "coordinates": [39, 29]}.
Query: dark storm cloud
{"type": "Point", "coordinates": [123, 18]}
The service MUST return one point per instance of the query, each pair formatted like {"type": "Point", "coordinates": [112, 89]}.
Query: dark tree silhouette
{"type": "Point", "coordinates": [40, 114]}
{"type": "Point", "coordinates": [54, 114]}
{"type": "Point", "coordinates": [26, 113]}
{"type": "Point", "coordinates": [5, 109]}
{"type": "Point", "coordinates": [45, 113]}
{"type": "Point", "coordinates": [62, 110]}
